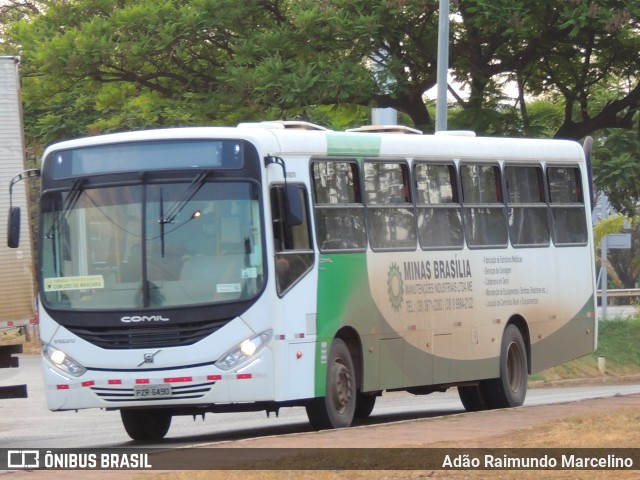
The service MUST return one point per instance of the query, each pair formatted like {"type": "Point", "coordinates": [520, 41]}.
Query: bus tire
{"type": "Point", "coordinates": [510, 389]}
{"type": "Point", "coordinates": [146, 425]}
{"type": "Point", "coordinates": [337, 408]}
{"type": "Point", "coordinates": [472, 398]}
{"type": "Point", "coordinates": [364, 405]}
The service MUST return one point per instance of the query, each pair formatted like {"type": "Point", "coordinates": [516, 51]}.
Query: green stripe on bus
{"type": "Point", "coordinates": [353, 144]}
{"type": "Point", "coordinates": [343, 299]}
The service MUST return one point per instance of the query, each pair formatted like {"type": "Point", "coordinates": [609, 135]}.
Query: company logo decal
{"type": "Point", "coordinates": [395, 287]}
{"type": "Point", "coordinates": [144, 318]}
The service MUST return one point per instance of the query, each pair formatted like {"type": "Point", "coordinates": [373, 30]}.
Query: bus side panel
{"type": "Point", "coordinates": [400, 348]}
{"type": "Point", "coordinates": [480, 369]}
{"type": "Point", "coordinates": [344, 300]}
{"type": "Point", "coordinates": [390, 358]}
{"type": "Point", "coordinates": [451, 309]}
{"type": "Point", "coordinates": [577, 338]}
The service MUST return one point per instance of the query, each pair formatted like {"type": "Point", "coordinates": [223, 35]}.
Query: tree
{"type": "Point", "coordinates": [12, 11]}
{"type": "Point", "coordinates": [567, 50]}
{"type": "Point", "coordinates": [616, 167]}
{"type": "Point", "coordinates": [96, 66]}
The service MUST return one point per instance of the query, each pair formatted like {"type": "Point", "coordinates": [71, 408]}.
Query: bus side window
{"type": "Point", "coordinates": [439, 210]}
{"type": "Point", "coordinates": [569, 226]}
{"type": "Point", "coordinates": [293, 250]}
{"type": "Point", "coordinates": [485, 222]}
{"type": "Point", "coordinates": [339, 211]}
{"type": "Point", "coordinates": [390, 214]}
{"type": "Point", "coordinates": [526, 206]}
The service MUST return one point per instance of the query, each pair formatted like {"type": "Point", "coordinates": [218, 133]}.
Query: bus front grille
{"type": "Point", "coordinates": [156, 336]}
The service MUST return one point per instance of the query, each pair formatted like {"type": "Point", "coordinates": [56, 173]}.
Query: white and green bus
{"type": "Point", "coordinates": [195, 270]}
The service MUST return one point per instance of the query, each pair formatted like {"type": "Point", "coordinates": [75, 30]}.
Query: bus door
{"type": "Point", "coordinates": [295, 288]}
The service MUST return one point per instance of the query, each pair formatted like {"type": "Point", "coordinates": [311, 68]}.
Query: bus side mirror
{"type": "Point", "coordinates": [294, 207]}
{"type": "Point", "coordinates": [13, 219]}
{"type": "Point", "coordinates": [13, 227]}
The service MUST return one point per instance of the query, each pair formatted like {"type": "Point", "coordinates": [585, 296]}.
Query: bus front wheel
{"type": "Point", "coordinates": [337, 408]}
{"type": "Point", "coordinates": [146, 425]}
{"type": "Point", "coordinates": [510, 389]}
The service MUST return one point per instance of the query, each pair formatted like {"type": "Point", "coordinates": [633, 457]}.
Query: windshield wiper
{"type": "Point", "coordinates": [186, 197]}
{"type": "Point", "coordinates": [193, 188]}
{"type": "Point", "coordinates": [162, 224]}
{"type": "Point", "coordinates": [67, 206]}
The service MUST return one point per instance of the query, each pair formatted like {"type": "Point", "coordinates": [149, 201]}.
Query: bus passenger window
{"type": "Point", "coordinates": [439, 211]}
{"type": "Point", "coordinates": [339, 212]}
{"type": "Point", "coordinates": [569, 225]}
{"type": "Point", "coordinates": [485, 223]}
{"type": "Point", "coordinates": [526, 206]}
{"type": "Point", "coordinates": [293, 251]}
{"type": "Point", "coordinates": [390, 214]}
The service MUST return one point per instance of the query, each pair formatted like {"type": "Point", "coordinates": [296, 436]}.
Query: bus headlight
{"type": "Point", "coordinates": [63, 361]}
{"type": "Point", "coordinates": [243, 351]}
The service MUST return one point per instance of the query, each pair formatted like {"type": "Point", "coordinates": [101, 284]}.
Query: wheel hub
{"type": "Point", "coordinates": [341, 391]}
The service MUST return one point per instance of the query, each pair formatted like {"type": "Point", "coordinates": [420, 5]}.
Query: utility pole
{"type": "Point", "coordinates": [443, 66]}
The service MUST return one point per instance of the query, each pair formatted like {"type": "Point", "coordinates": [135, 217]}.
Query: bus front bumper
{"type": "Point", "coordinates": [202, 385]}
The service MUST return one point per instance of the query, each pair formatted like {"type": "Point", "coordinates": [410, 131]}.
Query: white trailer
{"type": "Point", "coordinates": [17, 282]}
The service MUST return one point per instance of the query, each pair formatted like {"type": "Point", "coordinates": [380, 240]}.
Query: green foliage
{"type": "Point", "coordinates": [605, 226]}
{"type": "Point", "coordinates": [98, 66]}
{"type": "Point", "coordinates": [337, 117]}
{"type": "Point", "coordinates": [624, 263]}
{"type": "Point", "coordinates": [545, 117]}
{"type": "Point", "coordinates": [93, 67]}
{"type": "Point", "coordinates": [616, 168]}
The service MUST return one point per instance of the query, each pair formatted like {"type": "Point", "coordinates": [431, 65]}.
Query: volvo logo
{"type": "Point", "coordinates": [148, 357]}
{"type": "Point", "coordinates": [143, 318]}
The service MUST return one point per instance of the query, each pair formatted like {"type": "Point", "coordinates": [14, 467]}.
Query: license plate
{"type": "Point", "coordinates": [152, 391]}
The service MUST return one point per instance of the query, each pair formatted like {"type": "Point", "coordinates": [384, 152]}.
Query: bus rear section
{"type": "Point", "coordinates": [448, 262]}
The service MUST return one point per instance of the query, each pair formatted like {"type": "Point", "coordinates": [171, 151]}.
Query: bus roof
{"type": "Point", "coordinates": [302, 140]}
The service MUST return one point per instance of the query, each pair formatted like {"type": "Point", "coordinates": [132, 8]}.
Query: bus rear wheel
{"type": "Point", "coordinates": [472, 398]}
{"type": "Point", "coordinates": [337, 408]}
{"type": "Point", "coordinates": [510, 389]}
{"type": "Point", "coordinates": [364, 405]}
{"type": "Point", "coordinates": [146, 425]}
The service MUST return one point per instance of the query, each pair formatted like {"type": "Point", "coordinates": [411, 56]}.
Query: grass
{"type": "Point", "coordinates": [619, 340]}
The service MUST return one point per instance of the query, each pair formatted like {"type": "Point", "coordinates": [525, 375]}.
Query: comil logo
{"type": "Point", "coordinates": [144, 318]}
{"type": "Point", "coordinates": [23, 459]}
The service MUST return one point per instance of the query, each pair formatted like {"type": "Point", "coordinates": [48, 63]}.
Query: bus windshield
{"type": "Point", "coordinates": [145, 246]}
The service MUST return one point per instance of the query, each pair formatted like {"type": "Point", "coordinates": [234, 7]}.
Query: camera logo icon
{"type": "Point", "coordinates": [23, 459]}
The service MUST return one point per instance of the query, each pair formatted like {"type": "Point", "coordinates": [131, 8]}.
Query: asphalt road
{"type": "Point", "coordinates": [27, 423]}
